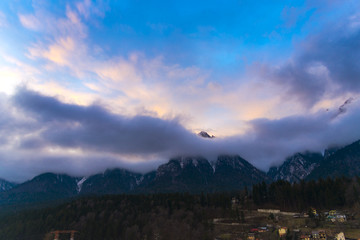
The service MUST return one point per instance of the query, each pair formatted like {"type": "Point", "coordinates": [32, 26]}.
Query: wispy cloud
{"type": "Point", "coordinates": [30, 21]}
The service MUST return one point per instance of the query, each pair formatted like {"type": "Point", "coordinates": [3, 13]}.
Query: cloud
{"type": "Point", "coordinates": [279, 138]}
{"type": "Point", "coordinates": [49, 135]}
{"type": "Point", "coordinates": [30, 21]}
{"type": "Point", "coordinates": [137, 83]}
{"type": "Point", "coordinates": [62, 131]}
{"type": "Point", "coordinates": [45, 134]}
{"type": "Point", "coordinates": [93, 127]}
{"type": "Point", "coordinates": [57, 53]}
{"type": "Point", "coordinates": [324, 64]}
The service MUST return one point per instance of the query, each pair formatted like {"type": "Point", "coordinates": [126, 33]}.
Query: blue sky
{"type": "Point", "coordinates": [236, 69]}
{"type": "Point", "coordinates": [215, 35]}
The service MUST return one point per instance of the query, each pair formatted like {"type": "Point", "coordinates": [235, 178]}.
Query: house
{"type": "Point", "coordinates": [341, 218]}
{"type": "Point", "coordinates": [340, 236]}
{"type": "Point", "coordinates": [282, 231]}
{"type": "Point", "coordinates": [251, 236]}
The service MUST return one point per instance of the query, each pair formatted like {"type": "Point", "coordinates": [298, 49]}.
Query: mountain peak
{"type": "Point", "coordinates": [234, 172]}
{"type": "Point", "coordinates": [205, 135]}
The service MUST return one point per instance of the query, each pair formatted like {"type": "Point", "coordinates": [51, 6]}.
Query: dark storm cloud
{"type": "Point", "coordinates": [325, 63]}
{"type": "Point", "coordinates": [93, 127]}
{"type": "Point", "coordinates": [10, 124]}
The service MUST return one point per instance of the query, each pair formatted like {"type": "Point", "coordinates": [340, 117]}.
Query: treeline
{"type": "Point", "coordinates": [159, 216]}
{"type": "Point", "coordinates": [322, 194]}
{"type": "Point", "coordinates": [172, 216]}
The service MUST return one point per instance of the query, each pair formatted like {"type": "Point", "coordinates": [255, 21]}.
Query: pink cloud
{"type": "Point", "coordinates": [30, 21]}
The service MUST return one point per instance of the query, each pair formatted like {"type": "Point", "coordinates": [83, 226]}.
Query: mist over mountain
{"type": "Point", "coordinates": [185, 174]}
{"type": "Point", "coordinates": [83, 140]}
{"type": "Point", "coordinates": [182, 174]}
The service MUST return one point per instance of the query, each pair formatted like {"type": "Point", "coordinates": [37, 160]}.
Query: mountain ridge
{"type": "Point", "coordinates": [343, 162]}
{"type": "Point", "coordinates": [182, 174]}
{"type": "Point", "coordinates": [296, 167]}
{"type": "Point", "coordinates": [193, 174]}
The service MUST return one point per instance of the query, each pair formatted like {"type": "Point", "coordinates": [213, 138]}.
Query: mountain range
{"type": "Point", "coordinates": [185, 174]}
{"type": "Point", "coordinates": [335, 162]}
{"type": "Point", "coordinates": [182, 174]}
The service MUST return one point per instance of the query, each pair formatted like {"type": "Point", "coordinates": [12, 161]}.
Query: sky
{"type": "Point", "coordinates": [90, 85]}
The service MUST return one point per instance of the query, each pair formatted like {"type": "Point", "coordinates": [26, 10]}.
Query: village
{"type": "Point", "coordinates": [268, 224]}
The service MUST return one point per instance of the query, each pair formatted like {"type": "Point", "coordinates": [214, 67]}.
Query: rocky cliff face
{"type": "Point", "coordinates": [198, 174]}
{"type": "Point", "coordinates": [190, 174]}
{"type": "Point", "coordinates": [296, 167]}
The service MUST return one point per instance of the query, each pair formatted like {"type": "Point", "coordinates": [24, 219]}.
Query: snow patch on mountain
{"type": "Point", "coordinates": [80, 183]}
{"type": "Point", "coordinates": [5, 185]}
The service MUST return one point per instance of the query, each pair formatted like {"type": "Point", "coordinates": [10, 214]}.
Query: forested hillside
{"type": "Point", "coordinates": [160, 216]}
{"type": "Point", "coordinates": [174, 215]}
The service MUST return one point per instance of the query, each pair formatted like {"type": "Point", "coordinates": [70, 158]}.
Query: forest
{"type": "Point", "coordinates": [321, 194]}
{"type": "Point", "coordinates": [173, 215]}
